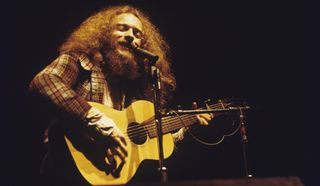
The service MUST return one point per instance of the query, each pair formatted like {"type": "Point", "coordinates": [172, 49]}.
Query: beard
{"type": "Point", "coordinates": [119, 66]}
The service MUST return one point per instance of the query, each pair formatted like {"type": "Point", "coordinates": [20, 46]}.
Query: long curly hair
{"type": "Point", "coordinates": [94, 33]}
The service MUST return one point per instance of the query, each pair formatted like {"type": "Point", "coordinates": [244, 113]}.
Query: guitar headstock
{"type": "Point", "coordinates": [222, 103]}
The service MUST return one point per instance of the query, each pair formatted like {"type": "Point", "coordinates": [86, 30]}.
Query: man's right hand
{"type": "Point", "coordinates": [105, 131]}
{"type": "Point", "coordinates": [119, 147]}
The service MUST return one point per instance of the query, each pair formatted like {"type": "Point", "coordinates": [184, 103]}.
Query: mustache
{"type": "Point", "coordinates": [127, 45]}
{"type": "Point", "coordinates": [140, 52]}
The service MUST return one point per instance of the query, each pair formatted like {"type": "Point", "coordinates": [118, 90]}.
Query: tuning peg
{"type": "Point", "coordinates": [207, 101]}
{"type": "Point", "coordinates": [194, 105]}
{"type": "Point", "coordinates": [222, 104]}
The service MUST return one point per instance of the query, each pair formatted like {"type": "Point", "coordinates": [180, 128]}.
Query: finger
{"type": "Point", "coordinates": [204, 122]}
{"type": "Point", "coordinates": [123, 140]}
{"type": "Point", "coordinates": [211, 115]}
{"type": "Point", "coordinates": [112, 162]}
{"type": "Point", "coordinates": [116, 151]}
{"type": "Point", "coordinates": [110, 156]}
{"type": "Point", "coordinates": [119, 134]}
{"type": "Point", "coordinates": [206, 116]}
{"type": "Point", "coordinates": [122, 146]}
{"type": "Point", "coordinates": [201, 120]}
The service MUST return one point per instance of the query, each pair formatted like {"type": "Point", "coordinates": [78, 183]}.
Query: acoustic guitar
{"type": "Point", "coordinates": [137, 124]}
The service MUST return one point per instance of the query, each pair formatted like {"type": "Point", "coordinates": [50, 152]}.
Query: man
{"type": "Point", "coordinates": [97, 64]}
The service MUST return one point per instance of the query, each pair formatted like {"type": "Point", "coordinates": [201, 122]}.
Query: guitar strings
{"type": "Point", "coordinates": [151, 123]}
{"type": "Point", "coordinates": [151, 120]}
{"type": "Point", "coordinates": [140, 131]}
{"type": "Point", "coordinates": [152, 130]}
{"type": "Point", "coordinates": [148, 123]}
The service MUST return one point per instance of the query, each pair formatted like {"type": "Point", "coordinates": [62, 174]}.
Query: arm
{"type": "Point", "coordinates": [55, 83]}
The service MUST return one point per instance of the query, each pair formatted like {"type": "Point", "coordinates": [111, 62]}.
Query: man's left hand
{"type": "Point", "coordinates": [203, 119]}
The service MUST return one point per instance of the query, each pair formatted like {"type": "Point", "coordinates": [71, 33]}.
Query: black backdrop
{"type": "Point", "coordinates": [259, 52]}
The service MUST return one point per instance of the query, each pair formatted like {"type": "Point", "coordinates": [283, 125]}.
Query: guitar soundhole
{"type": "Point", "coordinates": [137, 133]}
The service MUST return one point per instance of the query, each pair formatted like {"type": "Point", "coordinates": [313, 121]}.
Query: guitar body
{"type": "Point", "coordinates": [138, 151]}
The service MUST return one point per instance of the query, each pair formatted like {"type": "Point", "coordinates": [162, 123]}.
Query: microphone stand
{"type": "Point", "coordinates": [244, 138]}
{"type": "Point", "coordinates": [244, 143]}
{"type": "Point", "coordinates": [155, 78]}
{"type": "Point", "coordinates": [154, 74]}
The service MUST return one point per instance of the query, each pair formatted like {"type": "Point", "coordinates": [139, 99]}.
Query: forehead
{"type": "Point", "coordinates": [128, 19]}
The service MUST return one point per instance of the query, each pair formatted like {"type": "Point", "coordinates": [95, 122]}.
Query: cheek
{"type": "Point", "coordinates": [138, 42]}
{"type": "Point", "coordinates": [116, 35]}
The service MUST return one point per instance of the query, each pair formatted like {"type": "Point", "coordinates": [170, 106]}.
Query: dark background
{"type": "Point", "coordinates": [262, 53]}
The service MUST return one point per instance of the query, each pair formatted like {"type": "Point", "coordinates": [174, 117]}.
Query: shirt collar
{"type": "Point", "coordinates": [87, 64]}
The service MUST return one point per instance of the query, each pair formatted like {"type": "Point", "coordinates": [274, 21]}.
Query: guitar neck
{"type": "Point", "coordinates": [173, 123]}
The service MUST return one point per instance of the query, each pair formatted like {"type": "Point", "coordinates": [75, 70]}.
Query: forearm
{"type": "Point", "coordinates": [61, 95]}
{"type": "Point", "coordinates": [55, 84]}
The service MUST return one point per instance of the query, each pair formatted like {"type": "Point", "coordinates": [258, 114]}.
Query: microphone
{"type": "Point", "coordinates": [145, 53]}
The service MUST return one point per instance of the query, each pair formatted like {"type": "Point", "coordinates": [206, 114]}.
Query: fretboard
{"type": "Point", "coordinates": [173, 123]}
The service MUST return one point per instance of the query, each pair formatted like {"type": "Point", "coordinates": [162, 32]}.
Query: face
{"type": "Point", "coordinates": [127, 30]}
{"type": "Point", "coordinates": [121, 62]}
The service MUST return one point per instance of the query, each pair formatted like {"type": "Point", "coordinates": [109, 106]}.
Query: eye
{"type": "Point", "coordinates": [137, 33]}
{"type": "Point", "coordinates": [122, 27]}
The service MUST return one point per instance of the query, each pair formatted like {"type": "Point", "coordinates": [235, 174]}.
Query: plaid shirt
{"type": "Point", "coordinates": [69, 82]}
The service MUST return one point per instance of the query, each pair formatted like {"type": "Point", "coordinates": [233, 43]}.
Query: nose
{"type": "Point", "coordinates": [129, 37]}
